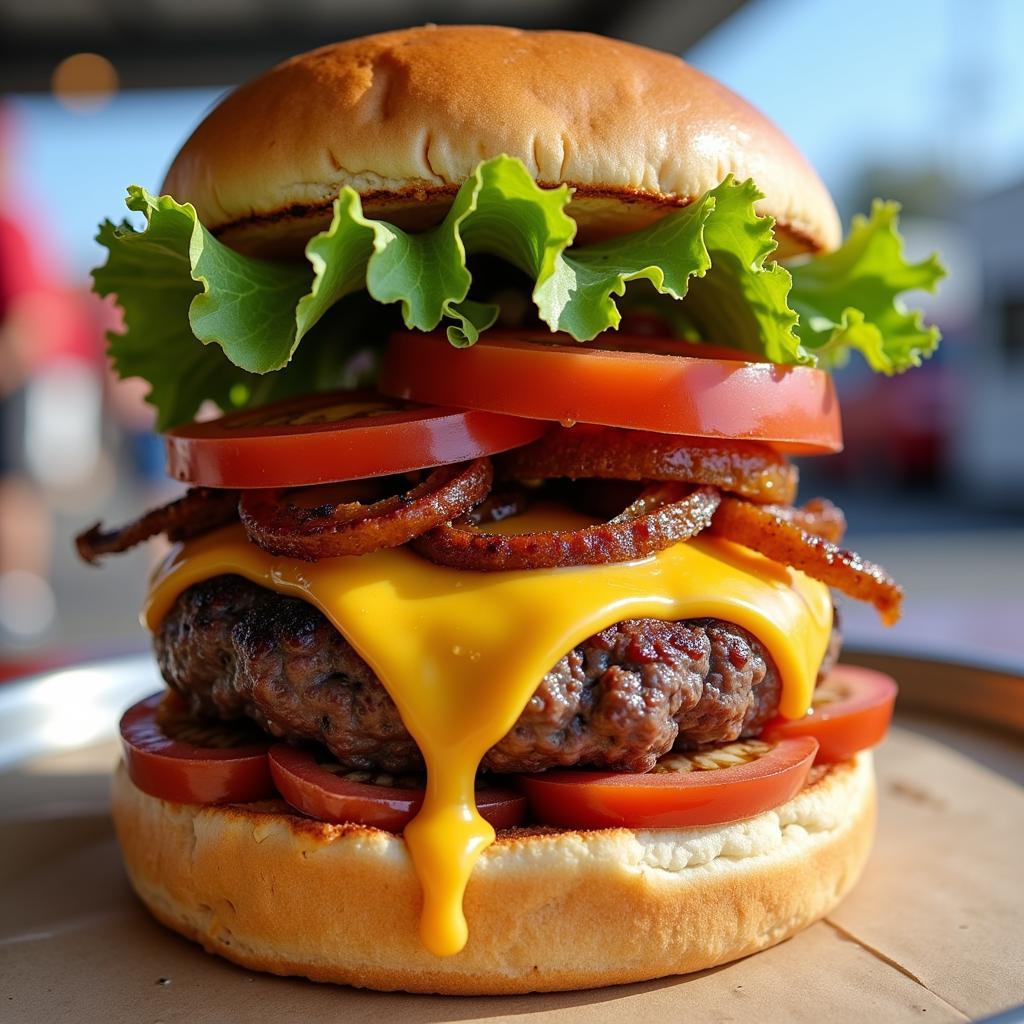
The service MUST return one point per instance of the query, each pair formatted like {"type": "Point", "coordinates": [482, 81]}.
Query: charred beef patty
{"type": "Point", "coordinates": [621, 699]}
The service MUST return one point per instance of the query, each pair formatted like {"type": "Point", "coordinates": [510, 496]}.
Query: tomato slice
{"type": "Point", "coordinates": [171, 756]}
{"type": "Point", "coordinates": [850, 711]}
{"type": "Point", "coordinates": [619, 384]}
{"type": "Point", "coordinates": [335, 436]}
{"type": "Point", "coordinates": [312, 787]}
{"type": "Point", "coordinates": [683, 790]}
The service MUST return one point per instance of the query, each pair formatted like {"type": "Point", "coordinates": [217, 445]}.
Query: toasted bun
{"type": "Point", "coordinates": [547, 911]}
{"type": "Point", "coordinates": [404, 117]}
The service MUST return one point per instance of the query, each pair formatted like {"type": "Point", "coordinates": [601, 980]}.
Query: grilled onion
{"type": "Point", "coordinates": [663, 515]}
{"type": "Point", "coordinates": [328, 530]}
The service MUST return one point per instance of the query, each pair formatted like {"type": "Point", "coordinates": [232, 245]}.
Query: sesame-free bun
{"type": "Point", "coordinates": [547, 909]}
{"type": "Point", "coordinates": [404, 117]}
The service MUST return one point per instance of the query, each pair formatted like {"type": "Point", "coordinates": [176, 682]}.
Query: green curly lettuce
{"type": "Point", "coordinates": [849, 300]}
{"type": "Point", "coordinates": [202, 321]}
{"type": "Point", "coordinates": [742, 302]}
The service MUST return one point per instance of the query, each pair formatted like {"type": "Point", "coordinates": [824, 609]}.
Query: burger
{"type": "Point", "coordinates": [499, 655]}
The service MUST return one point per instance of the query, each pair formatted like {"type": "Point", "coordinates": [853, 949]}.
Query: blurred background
{"type": "Point", "coordinates": [910, 101]}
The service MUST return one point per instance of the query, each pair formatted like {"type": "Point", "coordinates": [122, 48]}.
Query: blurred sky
{"type": "Point", "coordinates": [912, 83]}
{"type": "Point", "coordinates": [908, 82]}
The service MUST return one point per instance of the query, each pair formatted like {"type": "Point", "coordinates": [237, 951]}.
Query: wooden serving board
{"type": "Point", "coordinates": [934, 931]}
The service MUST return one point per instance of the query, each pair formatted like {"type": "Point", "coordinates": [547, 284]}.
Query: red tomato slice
{"type": "Point", "coordinates": [619, 384]}
{"type": "Point", "coordinates": [164, 762]}
{"type": "Point", "coordinates": [673, 799]}
{"type": "Point", "coordinates": [330, 437]}
{"type": "Point", "coordinates": [851, 710]}
{"type": "Point", "coordinates": [315, 790]}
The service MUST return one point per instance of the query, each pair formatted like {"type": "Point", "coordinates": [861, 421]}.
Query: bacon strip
{"type": "Point", "coordinates": [817, 516]}
{"type": "Point", "coordinates": [197, 511]}
{"type": "Point", "coordinates": [745, 468]}
{"type": "Point", "coordinates": [784, 541]}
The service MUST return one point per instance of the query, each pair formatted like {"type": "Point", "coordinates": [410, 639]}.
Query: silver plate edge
{"type": "Point", "coordinates": [72, 707]}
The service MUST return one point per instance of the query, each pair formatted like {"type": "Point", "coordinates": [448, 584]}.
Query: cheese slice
{"type": "Point", "coordinates": [461, 653]}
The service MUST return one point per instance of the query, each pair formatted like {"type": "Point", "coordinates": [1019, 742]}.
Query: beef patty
{"type": "Point", "coordinates": [621, 699]}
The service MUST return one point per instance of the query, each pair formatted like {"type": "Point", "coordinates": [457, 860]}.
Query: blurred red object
{"type": "Point", "coordinates": [18, 668]}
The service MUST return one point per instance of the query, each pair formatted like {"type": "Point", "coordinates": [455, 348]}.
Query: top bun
{"type": "Point", "coordinates": [404, 117]}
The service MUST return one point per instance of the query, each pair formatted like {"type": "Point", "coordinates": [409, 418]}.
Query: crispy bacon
{"type": "Point", "coordinates": [783, 540]}
{"type": "Point", "coordinates": [817, 516]}
{"type": "Point", "coordinates": [198, 511]}
{"type": "Point", "coordinates": [750, 470]}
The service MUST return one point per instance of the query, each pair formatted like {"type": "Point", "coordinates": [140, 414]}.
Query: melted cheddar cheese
{"type": "Point", "coordinates": [461, 653]}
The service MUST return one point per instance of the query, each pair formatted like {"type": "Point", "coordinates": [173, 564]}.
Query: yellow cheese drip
{"type": "Point", "coordinates": [461, 653]}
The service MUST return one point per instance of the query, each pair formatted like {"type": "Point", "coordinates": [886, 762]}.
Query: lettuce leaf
{"type": "Point", "coordinates": [150, 273]}
{"type": "Point", "coordinates": [576, 295]}
{"type": "Point", "coordinates": [849, 299]}
{"type": "Point", "coordinates": [177, 285]}
{"type": "Point", "coordinates": [742, 302]}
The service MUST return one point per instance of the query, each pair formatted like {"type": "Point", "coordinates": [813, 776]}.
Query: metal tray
{"type": "Point", "coordinates": [985, 693]}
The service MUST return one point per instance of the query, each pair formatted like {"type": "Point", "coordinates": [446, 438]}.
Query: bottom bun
{"type": "Point", "coordinates": [548, 910]}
